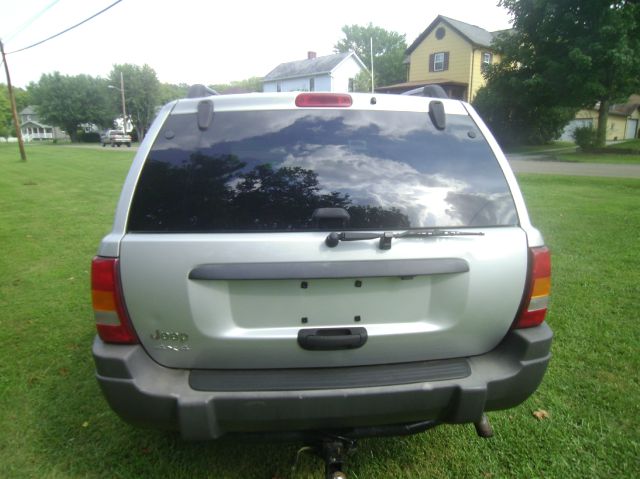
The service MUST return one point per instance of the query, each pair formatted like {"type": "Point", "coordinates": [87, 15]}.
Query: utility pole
{"type": "Point", "coordinates": [372, 78]}
{"type": "Point", "coordinates": [14, 111]}
{"type": "Point", "coordinates": [124, 109]}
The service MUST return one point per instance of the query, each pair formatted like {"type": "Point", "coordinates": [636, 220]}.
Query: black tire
{"type": "Point", "coordinates": [128, 145]}
{"type": "Point", "coordinates": [119, 145]}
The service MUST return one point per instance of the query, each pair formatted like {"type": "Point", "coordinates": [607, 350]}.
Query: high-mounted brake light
{"type": "Point", "coordinates": [112, 320]}
{"type": "Point", "coordinates": [324, 100]}
{"type": "Point", "coordinates": [537, 299]}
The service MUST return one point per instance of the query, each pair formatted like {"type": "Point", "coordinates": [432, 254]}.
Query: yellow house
{"type": "Point", "coordinates": [450, 53]}
{"type": "Point", "coordinates": [623, 122]}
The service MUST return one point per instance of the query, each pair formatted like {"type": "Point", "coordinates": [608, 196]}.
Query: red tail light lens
{"type": "Point", "coordinates": [537, 299]}
{"type": "Point", "coordinates": [112, 320]}
{"type": "Point", "coordinates": [324, 100]}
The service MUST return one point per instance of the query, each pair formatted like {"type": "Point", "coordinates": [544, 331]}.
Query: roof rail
{"type": "Point", "coordinates": [433, 91]}
{"type": "Point", "coordinates": [198, 91]}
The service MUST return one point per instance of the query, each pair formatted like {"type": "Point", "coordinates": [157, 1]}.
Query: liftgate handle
{"type": "Point", "coordinates": [329, 339]}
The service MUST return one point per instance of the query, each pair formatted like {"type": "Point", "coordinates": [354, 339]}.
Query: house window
{"type": "Point", "coordinates": [351, 85]}
{"type": "Point", "coordinates": [487, 59]}
{"type": "Point", "coordinates": [439, 62]}
{"type": "Point", "coordinates": [278, 86]}
{"type": "Point", "coordinates": [312, 84]}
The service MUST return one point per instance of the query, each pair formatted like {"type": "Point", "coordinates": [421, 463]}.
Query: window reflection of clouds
{"type": "Point", "coordinates": [371, 181]}
{"type": "Point", "coordinates": [389, 160]}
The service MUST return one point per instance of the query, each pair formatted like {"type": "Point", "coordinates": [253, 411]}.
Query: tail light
{"type": "Point", "coordinates": [536, 300]}
{"type": "Point", "coordinates": [112, 320]}
{"type": "Point", "coordinates": [341, 100]}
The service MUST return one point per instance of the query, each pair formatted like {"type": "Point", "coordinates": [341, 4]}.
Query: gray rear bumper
{"type": "Point", "coordinates": [143, 392]}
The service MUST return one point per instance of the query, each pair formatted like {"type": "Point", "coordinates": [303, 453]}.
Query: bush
{"type": "Point", "coordinates": [515, 115]}
{"type": "Point", "coordinates": [89, 137]}
{"type": "Point", "coordinates": [585, 137]}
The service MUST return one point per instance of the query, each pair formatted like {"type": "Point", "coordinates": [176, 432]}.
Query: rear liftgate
{"type": "Point", "coordinates": [334, 448]}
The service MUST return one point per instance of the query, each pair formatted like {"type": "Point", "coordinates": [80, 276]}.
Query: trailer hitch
{"type": "Point", "coordinates": [334, 452]}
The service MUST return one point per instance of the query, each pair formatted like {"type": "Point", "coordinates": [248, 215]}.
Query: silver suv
{"type": "Point", "coordinates": [358, 264]}
{"type": "Point", "coordinates": [115, 138]}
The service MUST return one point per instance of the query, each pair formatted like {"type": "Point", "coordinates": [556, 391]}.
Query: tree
{"type": "Point", "coordinates": [576, 52]}
{"type": "Point", "coordinates": [362, 82]}
{"type": "Point", "coordinates": [68, 101]}
{"type": "Point", "coordinates": [517, 106]}
{"type": "Point", "coordinates": [169, 92]}
{"type": "Point", "coordinates": [250, 85]}
{"type": "Point", "coordinates": [510, 105]}
{"type": "Point", "coordinates": [388, 51]}
{"type": "Point", "coordinates": [6, 120]}
{"type": "Point", "coordinates": [23, 99]}
{"type": "Point", "coordinates": [142, 94]}
{"type": "Point", "coordinates": [5, 113]}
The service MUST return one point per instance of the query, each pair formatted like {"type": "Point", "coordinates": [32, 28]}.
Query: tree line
{"type": "Point", "coordinates": [560, 56]}
{"type": "Point", "coordinates": [68, 101]}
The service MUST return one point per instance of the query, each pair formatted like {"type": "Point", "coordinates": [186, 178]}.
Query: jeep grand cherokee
{"type": "Point", "coordinates": [312, 261]}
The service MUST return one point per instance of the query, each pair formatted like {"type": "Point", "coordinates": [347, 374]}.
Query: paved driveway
{"type": "Point", "coordinates": [541, 164]}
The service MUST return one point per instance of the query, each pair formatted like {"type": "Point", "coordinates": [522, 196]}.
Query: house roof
{"type": "Point", "coordinates": [625, 109]}
{"type": "Point", "coordinates": [307, 67]}
{"type": "Point", "coordinates": [474, 34]}
{"type": "Point", "coordinates": [29, 110]}
{"type": "Point", "coordinates": [416, 84]}
{"type": "Point", "coordinates": [621, 109]}
{"type": "Point", "coordinates": [35, 123]}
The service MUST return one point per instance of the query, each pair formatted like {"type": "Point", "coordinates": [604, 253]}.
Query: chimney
{"type": "Point", "coordinates": [311, 55]}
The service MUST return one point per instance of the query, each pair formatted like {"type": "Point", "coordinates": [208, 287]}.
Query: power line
{"type": "Point", "coordinates": [28, 23]}
{"type": "Point", "coordinates": [66, 30]}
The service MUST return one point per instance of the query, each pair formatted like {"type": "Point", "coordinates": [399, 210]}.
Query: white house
{"type": "Point", "coordinates": [329, 73]}
{"type": "Point", "coordinates": [33, 129]}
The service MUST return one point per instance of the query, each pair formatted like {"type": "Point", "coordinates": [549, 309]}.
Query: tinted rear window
{"type": "Point", "coordinates": [270, 170]}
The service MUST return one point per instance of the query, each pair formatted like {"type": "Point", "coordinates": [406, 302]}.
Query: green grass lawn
{"type": "Point", "coordinates": [581, 157]}
{"type": "Point", "coordinates": [550, 147]}
{"type": "Point", "coordinates": [565, 151]}
{"type": "Point", "coordinates": [629, 144]}
{"type": "Point", "coordinates": [55, 424]}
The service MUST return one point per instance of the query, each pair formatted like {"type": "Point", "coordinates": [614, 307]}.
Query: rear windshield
{"type": "Point", "coordinates": [272, 170]}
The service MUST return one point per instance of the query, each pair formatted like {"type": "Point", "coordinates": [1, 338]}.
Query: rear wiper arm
{"type": "Point", "coordinates": [334, 238]}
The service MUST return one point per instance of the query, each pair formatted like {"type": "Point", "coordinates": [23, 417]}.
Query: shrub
{"type": "Point", "coordinates": [516, 116]}
{"type": "Point", "coordinates": [89, 137]}
{"type": "Point", "coordinates": [585, 137]}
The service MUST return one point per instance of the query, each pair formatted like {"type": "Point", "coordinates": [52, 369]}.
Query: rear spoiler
{"type": "Point", "coordinates": [199, 91]}
{"type": "Point", "coordinates": [433, 91]}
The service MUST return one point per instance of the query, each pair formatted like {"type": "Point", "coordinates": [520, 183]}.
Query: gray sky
{"type": "Point", "coordinates": [200, 41]}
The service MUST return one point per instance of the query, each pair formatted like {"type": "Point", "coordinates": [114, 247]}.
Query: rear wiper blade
{"type": "Point", "coordinates": [436, 232]}
{"type": "Point", "coordinates": [334, 238]}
